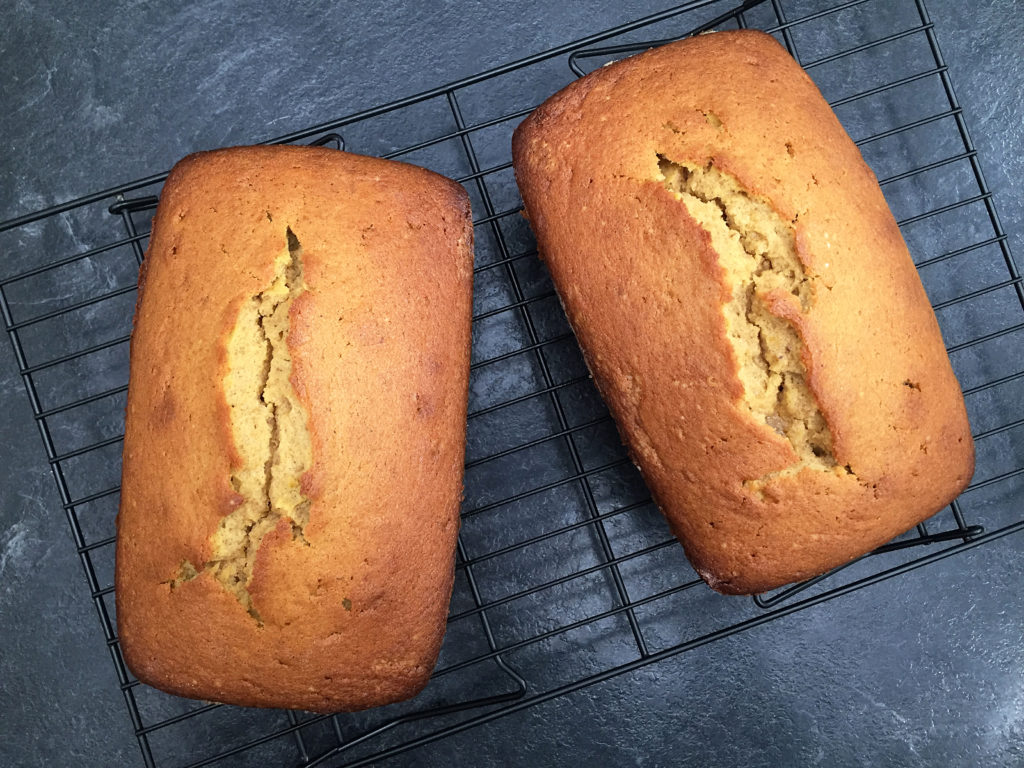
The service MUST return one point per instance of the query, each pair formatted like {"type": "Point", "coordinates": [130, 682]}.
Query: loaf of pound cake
{"type": "Point", "coordinates": [295, 429]}
{"type": "Point", "coordinates": [747, 307]}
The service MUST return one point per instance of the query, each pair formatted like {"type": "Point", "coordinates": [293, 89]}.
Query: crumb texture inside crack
{"type": "Point", "coordinates": [757, 250]}
{"type": "Point", "coordinates": [270, 430]}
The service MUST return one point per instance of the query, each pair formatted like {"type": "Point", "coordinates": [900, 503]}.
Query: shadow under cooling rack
{"type": "Point", "coordinates": [566, 573]}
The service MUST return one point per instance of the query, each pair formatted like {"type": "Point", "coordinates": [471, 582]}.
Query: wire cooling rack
{"type": "Point", "coordinates": [566, 573]}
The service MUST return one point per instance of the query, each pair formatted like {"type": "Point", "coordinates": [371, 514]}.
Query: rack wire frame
{"type": "Point", "coordinates": [350, 740]}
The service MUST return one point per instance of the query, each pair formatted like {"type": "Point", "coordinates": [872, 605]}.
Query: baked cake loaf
{"type": "Point", "coordinates": [295, 429]}
{"type": "Point", "coordinates": [747, 306]}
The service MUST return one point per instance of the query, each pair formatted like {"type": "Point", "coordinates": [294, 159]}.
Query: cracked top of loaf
{"type": "Point", "coordinates": [747, 306]}
{"type": "Point", "coordinates": [295, 429]}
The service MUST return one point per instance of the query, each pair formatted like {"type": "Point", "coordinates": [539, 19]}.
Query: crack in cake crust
{"type": "Point", "coordinates": [756, 247]}
{"type": "Point", "coordinates": [269, 428]}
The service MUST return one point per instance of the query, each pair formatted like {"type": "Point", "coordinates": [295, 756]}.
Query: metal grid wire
{"type": "Point", "coordinates": [566, 574]}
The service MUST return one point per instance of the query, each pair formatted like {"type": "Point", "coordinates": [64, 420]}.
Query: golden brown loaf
{"type": "Point", "coordinates": [295, 429]}
{"type": "Point", "coordinates": [747, 306]}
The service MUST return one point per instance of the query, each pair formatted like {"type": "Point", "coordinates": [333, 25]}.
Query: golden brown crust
{"type": "Point", "coordinates": [355, 619]}
{"type": "Point", "coordinates": [631, 264]}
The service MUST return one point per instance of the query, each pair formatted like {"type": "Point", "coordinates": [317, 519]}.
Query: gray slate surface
{"type": "Point", "coordinates": [921, 670]}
